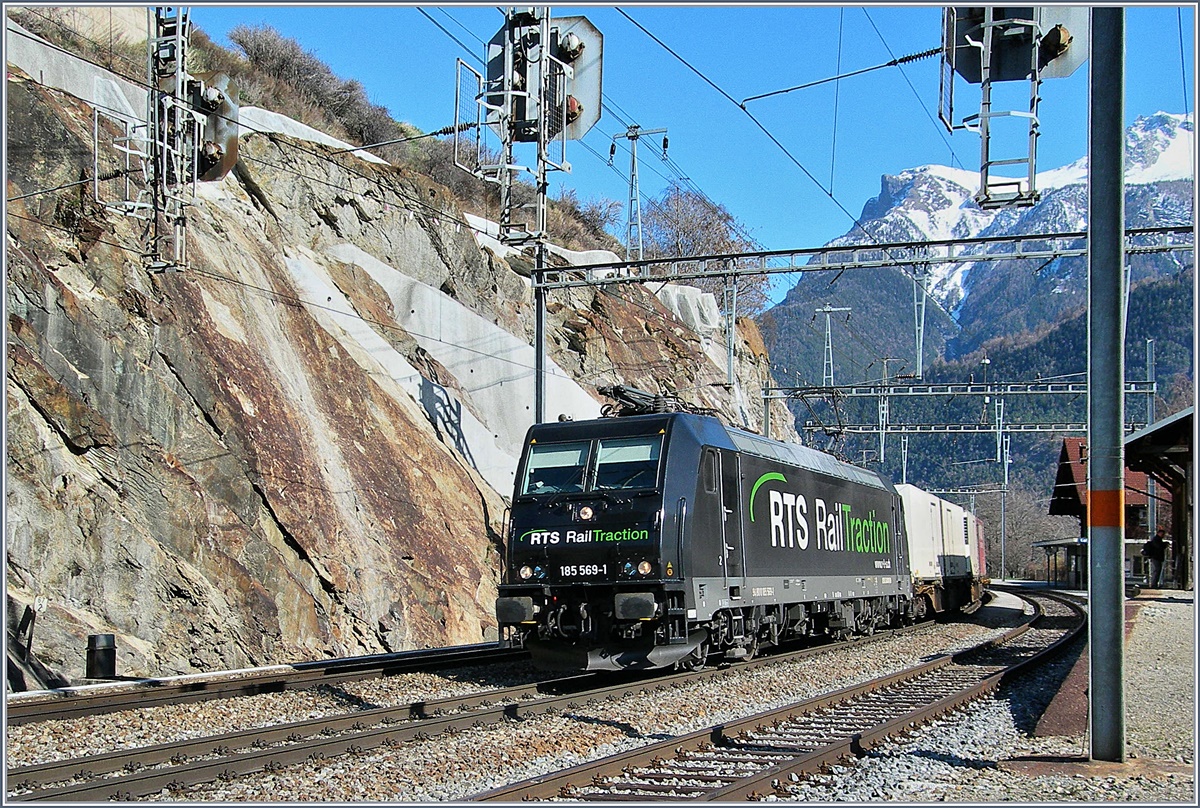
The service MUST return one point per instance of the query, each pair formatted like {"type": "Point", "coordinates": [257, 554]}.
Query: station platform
{"type": "Point", "coordinates": [1066, 715]}
{"type": "Point", "coordinates": [1068, 710]}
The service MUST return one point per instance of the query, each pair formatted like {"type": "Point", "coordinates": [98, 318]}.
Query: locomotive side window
{"type": "Point", "coordinates": [710, 471]}
{"type": "Point", "coordinates": [628, 463]}
{"type": "Point", "coordinates": [555, 468]}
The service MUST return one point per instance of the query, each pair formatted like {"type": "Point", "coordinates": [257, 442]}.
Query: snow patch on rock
{"type": "Point", "coordinates": [493, 368]}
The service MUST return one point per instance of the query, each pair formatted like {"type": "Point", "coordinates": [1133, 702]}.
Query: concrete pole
{"type": "Point", "coordinates": [1004, 517]}
{"type": "Point", "coordinates": [1106, 384]}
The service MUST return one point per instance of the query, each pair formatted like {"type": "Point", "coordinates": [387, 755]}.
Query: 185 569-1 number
{"type": "Point", "coordinates": [581, 570]}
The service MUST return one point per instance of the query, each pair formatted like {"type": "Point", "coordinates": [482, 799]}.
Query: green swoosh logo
{"type": "Point", "coordinates": [766, 478]}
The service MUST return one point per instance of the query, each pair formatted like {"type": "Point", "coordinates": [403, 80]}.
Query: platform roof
{"type": "Point", "coordinates": [1165, 448]}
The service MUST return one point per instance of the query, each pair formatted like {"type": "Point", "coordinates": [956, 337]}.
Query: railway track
{"type": "Point", "coordinates": [758, 756]}
{"type": "Point", "coordinates": [108, 697]}
{"type": "Point", "coordinates": [176, 766]}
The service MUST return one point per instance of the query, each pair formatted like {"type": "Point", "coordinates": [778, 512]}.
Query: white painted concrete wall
{"type": "Point", "coordinates": [53, 68]}
{"type": "Point", "coordinates": [494, 368]}
{"type": "Point", "coordinates": [454, 422]}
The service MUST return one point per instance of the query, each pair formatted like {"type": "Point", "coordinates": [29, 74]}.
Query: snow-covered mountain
{"type": "Point", "coordinates": [978, 302]}
{"type": "Point", "coordinates": [935, 202]}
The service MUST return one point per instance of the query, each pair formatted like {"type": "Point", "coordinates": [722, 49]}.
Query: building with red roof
{"type": "Point", "coordinates": [1162, 455]}
{"type": "Point", "coordinates": [1070, 491]}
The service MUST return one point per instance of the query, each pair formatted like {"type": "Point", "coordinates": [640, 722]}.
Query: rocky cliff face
{"type": "Point", "coordinates": [276, 454]}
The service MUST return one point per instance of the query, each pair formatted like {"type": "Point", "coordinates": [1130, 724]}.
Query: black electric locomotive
{"type": "Point", "coordinates": [660, 539]}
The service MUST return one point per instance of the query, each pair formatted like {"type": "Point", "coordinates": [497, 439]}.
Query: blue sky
{"type": "Point", "coordinates": [886, 120]}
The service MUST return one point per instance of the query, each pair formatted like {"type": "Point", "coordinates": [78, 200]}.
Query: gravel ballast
{"type": "Point", "coordinates": [971, 755]}
{"type": "Point", "coordinates": [965, 757]}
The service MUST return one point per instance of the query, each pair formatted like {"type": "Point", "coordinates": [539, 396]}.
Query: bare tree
{"type": "Point", "coordinates": [683, 223]}
{"type": "Point", "coordinates": [1028, 520]}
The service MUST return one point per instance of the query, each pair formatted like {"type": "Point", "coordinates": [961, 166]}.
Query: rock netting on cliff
{"type": "Point", "coordinates": [265, 457]}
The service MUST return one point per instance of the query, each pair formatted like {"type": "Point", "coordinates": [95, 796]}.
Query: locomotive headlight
{"type": "Point", "coordinates": [586, 513]}
{"type": "Point", "coordinates": [628, 568]}
{"type": "Point", "coordinates": [644, 568]}
{"type": "Point", "coordinates": [526, 572]}
{"type": "Point", "coordinates": [538, 572]}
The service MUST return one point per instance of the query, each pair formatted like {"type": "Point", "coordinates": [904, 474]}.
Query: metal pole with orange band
{"type": "Point", "coordinates": [1106, 385]}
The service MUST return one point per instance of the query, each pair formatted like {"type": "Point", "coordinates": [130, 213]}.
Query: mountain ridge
{"type": "Point", "coordinates": [976, 302]}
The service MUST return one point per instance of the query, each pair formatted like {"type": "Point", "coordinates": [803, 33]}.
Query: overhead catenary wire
{"type": "Point", "coordinates": [40, 191]}
{"type": "Point", "coordinates": [610, 105]}
{"type": "Point", "coordinates": [445, 130]}
{"type": "Point", "coordinates": [73, 32]}
{"type": "Point", "coordinates": [296, 300]}
{"type": "Point", "coordinates": [52, 226]}
{"type": "Point", "coordinates": [940, 129]}
{"type": "Point", "coordinates": [1184, 84]}
{"type": "Point", "coordinates": [680, 178]}
{"type": "Point", "coordinates": [857, 224]}
{"type": "Point", "coordinates": [770, 135]}
{"type": "Point", "coordinates": [837, 97]}
{"type": "Point", "coordinates": [271, 134]}
{"type": "Point", "coordinates": [457, 22]}
{"type": "Point", "coordinates": [443, 28]}
{"type": "Point", "coordinates": [650, 201]}
{"type": "Point", "coordinates": [913, 57]}
{"type": "Point", "coordinates": [437, 213]}
{"type": "Point", "coordinates": [420, 205]}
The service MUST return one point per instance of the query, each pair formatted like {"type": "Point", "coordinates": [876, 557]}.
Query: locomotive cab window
{"type": "Point", "coordinates": [556, 468]}
{"type": "Point", "coordinates": [628, 463]}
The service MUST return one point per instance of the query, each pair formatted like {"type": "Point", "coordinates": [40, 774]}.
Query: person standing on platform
{"type": "Point", "coordinates": [1154, 551]}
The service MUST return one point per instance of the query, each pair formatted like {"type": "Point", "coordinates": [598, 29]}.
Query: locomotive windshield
{"type": "Point", "coordinates": [612, 464]}
{"type": "Point", "coordinates": [556, 468]}
{"type": "Point", "coordinates": [626, 463]}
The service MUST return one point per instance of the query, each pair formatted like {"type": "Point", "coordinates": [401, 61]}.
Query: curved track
{"type": "Point", "coordinates": [748, 759]}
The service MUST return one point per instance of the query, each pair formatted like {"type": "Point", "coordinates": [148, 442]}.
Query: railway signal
{"type": "Point", "coordinates": [986, 46]}
{"type": "Point", "coordinates": [189, 135]}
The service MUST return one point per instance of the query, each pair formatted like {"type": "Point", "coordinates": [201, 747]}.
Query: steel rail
{"type": "Point", "coordinates": [724, 739]}
{"type": "Point", "coordinates": [862, 742]}
{"type": "Point", "coordinates": [96, 699]}
{"type": "Point", "coordinates": [363, 730]}
{"type": "Point", "coordinates": [40, 774]}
